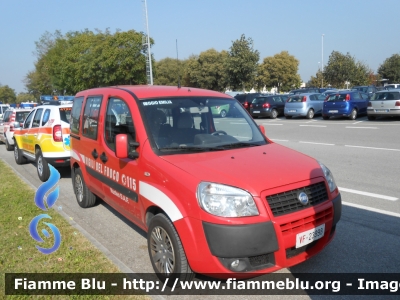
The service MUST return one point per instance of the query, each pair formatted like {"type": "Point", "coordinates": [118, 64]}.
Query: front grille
{"type": "Point", "coordinates": [287, 202]}
{"type": "Point", "coordinates": [259, 260]}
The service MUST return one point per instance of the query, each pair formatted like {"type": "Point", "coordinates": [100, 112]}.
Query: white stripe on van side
{"type": "Point", "coordinates": [159, 198]}
{"type": "Point", "coordinates": [75, 155]}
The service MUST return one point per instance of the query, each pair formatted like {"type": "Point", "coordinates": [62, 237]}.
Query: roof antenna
{"type": "Point", "coordinates": [177, 60]}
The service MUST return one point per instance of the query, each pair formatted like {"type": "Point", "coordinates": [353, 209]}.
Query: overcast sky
{"type": "Point", "coordinates": [367, 29]}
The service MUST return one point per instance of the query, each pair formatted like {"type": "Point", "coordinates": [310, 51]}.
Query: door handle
{"type": "Point", "coordinates": [103, 157]}
{"type": "Point", "coordinates": [95, 154]}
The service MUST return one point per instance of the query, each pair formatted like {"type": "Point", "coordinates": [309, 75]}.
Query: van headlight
{"type": "Point", "coordinates": [329, 177]}
{"type": "Point", "coordinates": [225, 201]}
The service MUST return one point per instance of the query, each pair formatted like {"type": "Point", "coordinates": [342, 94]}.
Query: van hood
{"type": "Point", "coordinates": [254, 169]}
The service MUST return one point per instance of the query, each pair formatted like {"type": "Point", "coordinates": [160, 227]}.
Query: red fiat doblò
{"type": "Point", "coordinates": [214, 194]}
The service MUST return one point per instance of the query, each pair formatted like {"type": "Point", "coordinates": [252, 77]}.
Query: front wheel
{"type": "Point", "coordinates": [274, 114]}
{"type": "Point", "coordinates": [166, 251]}
{"type": "Point", "coordinates": [42, 166]}
{"type": "Point", "coordinates": [310, 114]}
{"type": "Point", "coordinates": [83, 195]}
{"type": "Point", "coordinates": [353, 114]}
{"type": "Point", "coordinates": [19, 158]}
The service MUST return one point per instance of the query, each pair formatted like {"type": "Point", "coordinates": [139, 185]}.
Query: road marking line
{"type": "Point", "coordinates": [362, 127]}
{"type": "Point", "coordinates": [368, 194]}
{"type": "Point", "coordinates": [385, 212]}
{"type": "Point", "coordinates": [314, 125]}
{"type": "Point", "coordinates": [317, 143]}
{"type": "Point", "coordinates": [357, 122]}
{"type": "Point", "coordinates": [372, 148]}
{"type": "Point", "coordinates": [280, 140]}
{"type": "Point", "coordinates": [270, 124]}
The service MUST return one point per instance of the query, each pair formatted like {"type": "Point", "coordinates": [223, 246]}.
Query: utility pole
{"type": "Point", "coordinates": [322, 64]}
{"type": "Point", "coordinates": [149, 71]}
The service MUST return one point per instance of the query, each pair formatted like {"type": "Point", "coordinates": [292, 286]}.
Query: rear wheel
{"type": "Point", "coordinates": [310, 114]}
{"type": "Point", "coordinates": [371, 118]}
{"type": "Point", "coordinates": [353, 114]}
{"type": "Point", "coordinates": [19, 158]}
{"type": "Point", "coordinates": [274, 114]}
{"type": "Point", "coordinates": [325, 117]}
{"type": "Point", "coordinates": [83, 195]}
{"type": "Point", "coordinates": [166, 251]}
{"type": "Point", "coordinates": [222, 113]}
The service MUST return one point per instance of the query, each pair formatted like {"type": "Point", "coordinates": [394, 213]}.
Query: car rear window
{"type": "Point", "coordinates": [386, 96]}
{"type": "Point", "coordinates": [336, 97]}
{"type": "Point", "coordinates": [259, 100]}
{"type": "Point", "coordinates": [65, 114]}
{"type": "Point", "coordinates": [295, 99]}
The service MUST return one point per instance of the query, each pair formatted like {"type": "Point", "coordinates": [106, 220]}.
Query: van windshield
{"type": "Point", "coordinates": [196, 124]}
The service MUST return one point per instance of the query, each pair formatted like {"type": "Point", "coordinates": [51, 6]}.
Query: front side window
{"type": "Point", "coordinates": [187, 125]}
{"type": "Point", "coordinates": [76, 115]}
{"type": "Point", "coordinates": [91, 117]}
{"type": "Point", "coordinates": [28, 120]}
{"type": "Point", "coordinates": [7, 116]}
{"type": "Point", "coordinates": [118, 120]}
{"type": "Point", "coordinates": [36, 119]}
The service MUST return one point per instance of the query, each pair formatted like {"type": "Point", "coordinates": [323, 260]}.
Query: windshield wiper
{"type": "Point", "coordinates": [238, 145]}
{"type": "Point", "coordinates": [192, 148]}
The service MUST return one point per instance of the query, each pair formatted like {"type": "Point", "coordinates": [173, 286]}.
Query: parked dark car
{"type": "Point", "coordinates": [268, 106]}
{"type": "Point", "coordinates": [304, 90]}
{"type": "Point", "coordinates": [345, 103]}
{"type": "Point", "coordinates": [365, 88]}
{"type": "Point", "coordinates": [245, 99]}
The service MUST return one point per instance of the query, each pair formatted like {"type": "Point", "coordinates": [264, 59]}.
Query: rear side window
{"type": "Point", "coordinates": [46, 116]}
{"type": "Point", "coordinates": [91, 117]}
{"type": "Point", "coordinates": [76, 115]}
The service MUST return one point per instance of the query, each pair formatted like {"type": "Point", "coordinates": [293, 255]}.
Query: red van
{"type": "Point", "coordinates": [215, 195]}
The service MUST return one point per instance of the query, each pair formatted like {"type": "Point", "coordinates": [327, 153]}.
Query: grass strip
{"type": "Point", "coordinates": [18, 253]}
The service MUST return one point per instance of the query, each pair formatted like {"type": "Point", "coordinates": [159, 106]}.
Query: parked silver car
{"type": "Point", "coordinates": [305, 105]}
{"type": "Point", "coordinates": [384, 103]}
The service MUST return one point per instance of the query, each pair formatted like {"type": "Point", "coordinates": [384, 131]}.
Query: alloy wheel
{"type": "Point", "coordinates": [162, 251]}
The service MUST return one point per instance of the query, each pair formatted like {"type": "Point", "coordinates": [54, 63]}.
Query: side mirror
{"type": "Point", "coordinates": [262, 128]}
{"type": "Point", "coordinates": [16, 125]}
{"type": "Point", "coordinates": [123, 146]}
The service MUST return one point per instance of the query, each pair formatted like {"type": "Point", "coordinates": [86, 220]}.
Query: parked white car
{"type": "Point", "coordinates": [11, 116]}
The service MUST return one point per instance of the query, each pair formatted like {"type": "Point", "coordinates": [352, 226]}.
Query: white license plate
{"type": "Point", "coordinates": [292, 110]}
{"type": "Point", "coordinates": [381, 110]}
{"type": "Point", "coordinates": [309, 236]}
{"type": "Point", "coordinates": [333, 111]}
{"type": "Point", "coordinates": [256, 111]}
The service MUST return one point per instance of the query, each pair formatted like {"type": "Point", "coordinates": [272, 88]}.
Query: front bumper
{"type": "Point", "coordinates": [256, 248]}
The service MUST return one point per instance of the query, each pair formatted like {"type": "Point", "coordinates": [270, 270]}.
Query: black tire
{"type": "Point", "coordinates": [325, 117]}
{"type": "Point", "coordinates": [19, 158]}
{"type": "Point", "coordinates": [310, 114]}
{"type": "Point", "coordinates": [162, 238]}
{"type": "Point", "coordinates": [353, 114]}
{"type": "Point", "coordinates": [83, 195]}
{"type": "Point", "coordinates": [222, 114]}
{"type": "Point", "coordinates": [288, 117]}
{"type": "Point", "coordinates": [8, 146]}
{"type": "Point", "coordinates": [274, 114]}
{"type": "Point", "coordinates": [42, 167]}
{"type": "Point", "coordinates": [371, 118]}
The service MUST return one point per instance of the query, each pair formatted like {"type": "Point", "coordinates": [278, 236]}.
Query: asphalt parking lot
{"type": "Point", "coordinates": [364, 157]}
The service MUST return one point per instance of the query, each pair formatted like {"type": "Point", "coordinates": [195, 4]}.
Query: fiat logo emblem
{"type": "Point", "coordinates": [303, 198]}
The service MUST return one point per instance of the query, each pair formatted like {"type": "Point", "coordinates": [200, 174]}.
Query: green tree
{"type": "Point", "coordinates": [85, 59]}
{"type": "Point", "coordinates": [390, 69]}
{"type": "Point", "coordinates": [7, 94]}
{"type": "Point", "coordinates": [207, 70]}
{"type": "Point", "coordinates": [280, 71]}
{"type": "Point", "coordinates": [344, 68]}
{"type": "Point", "coordinates": [316, 81]}
{"type": "Point", "coordinates": [25, 97]}
{"type": "Point", "coordinates": [241, 64]}
{"type": "Point", "coordinates": [167, 71]}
